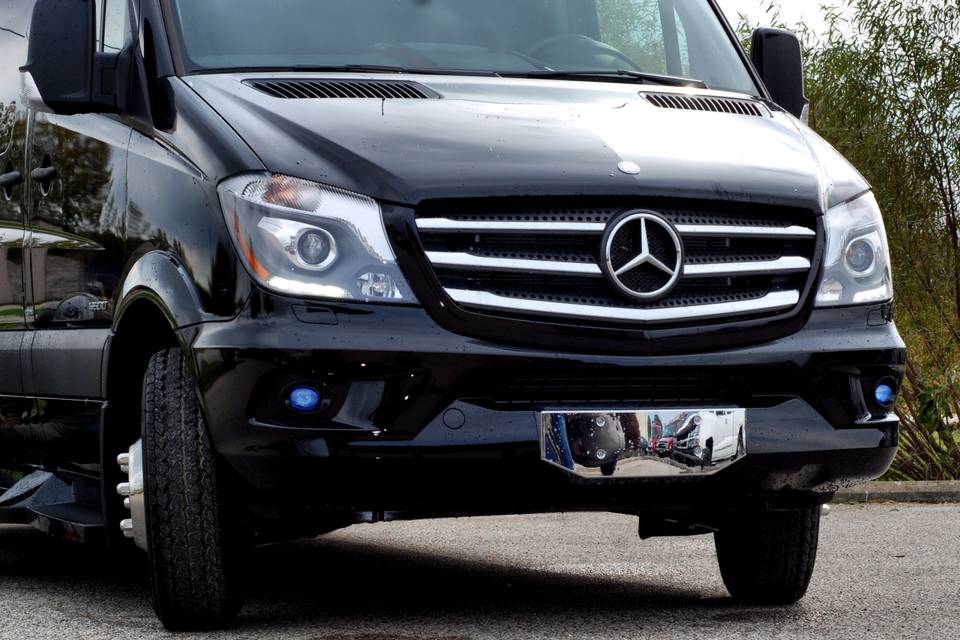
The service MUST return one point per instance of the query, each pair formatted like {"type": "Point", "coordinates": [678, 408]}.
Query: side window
{"type": "Point", "coordinates": [13, 53]}
{"type": "Point", "coordinates": [114, 25]}
{"type": "Point", "coordinates": [8, 118]}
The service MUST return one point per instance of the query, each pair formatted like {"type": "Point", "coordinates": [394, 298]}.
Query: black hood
{"type": "Point", "coordinates": [503, 137]}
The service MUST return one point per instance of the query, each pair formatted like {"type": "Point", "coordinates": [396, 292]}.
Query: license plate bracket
{"type": "Point", "coordinates": [646, 443]}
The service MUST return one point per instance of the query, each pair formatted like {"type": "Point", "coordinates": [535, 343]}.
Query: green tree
{"type": "Point", "coordinates": [885, 90]}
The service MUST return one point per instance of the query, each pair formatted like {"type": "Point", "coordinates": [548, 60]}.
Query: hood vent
{"type": "Point", "coordinates": [706, 103]}
{"type": "Point", "coordinates": [323, 88]}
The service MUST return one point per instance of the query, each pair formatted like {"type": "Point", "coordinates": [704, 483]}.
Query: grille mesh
{"type": "Point", "coordinates": [587, 386]}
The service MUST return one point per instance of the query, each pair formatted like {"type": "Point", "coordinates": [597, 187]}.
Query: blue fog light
{"type": "Point", "coordinates": [886, 396]}
{"type": "Point", "coordinates": [305, 399]}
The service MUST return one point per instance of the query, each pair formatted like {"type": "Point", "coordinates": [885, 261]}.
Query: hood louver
{"type": "Point", "coordinates": [706, 103]}
{"type": "Point", "coordinates": [328, 88]}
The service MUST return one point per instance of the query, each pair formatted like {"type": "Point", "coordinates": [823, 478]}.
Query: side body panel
{"type": "Point", "coordinates": [13, 126]}
{"type": "Point", "coordinates": [130, 211]}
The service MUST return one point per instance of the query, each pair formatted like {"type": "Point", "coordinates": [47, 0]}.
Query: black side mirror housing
{"type": "Point", "coordinates": [778, 58]}
{"type": "Point", "coordinates": [70, 74]}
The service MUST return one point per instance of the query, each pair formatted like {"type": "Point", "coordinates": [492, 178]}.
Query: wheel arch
{"type": "Point", "coordinates": [157, 303]}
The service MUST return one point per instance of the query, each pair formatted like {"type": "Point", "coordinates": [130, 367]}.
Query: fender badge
{"type": "Point", "coordinates": [629, 168]}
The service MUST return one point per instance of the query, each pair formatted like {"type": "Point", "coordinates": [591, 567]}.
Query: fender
{"type": "Point", "coordinates": [161, 277]}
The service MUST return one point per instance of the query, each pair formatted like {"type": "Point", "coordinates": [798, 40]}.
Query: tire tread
{"type": "Point", "coordinates": [186, 524]}
{"type": "Point", "coordinates": [768, 558]}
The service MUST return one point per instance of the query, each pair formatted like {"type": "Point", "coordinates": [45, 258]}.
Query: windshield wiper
{"type": "Point", "coordinates": [602, 74]}
{"type": "Point", "coordinates": [357, 68]}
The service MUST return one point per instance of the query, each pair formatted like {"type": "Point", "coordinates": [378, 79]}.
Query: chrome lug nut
{"type": "Point", "coordinates": [133, 491]}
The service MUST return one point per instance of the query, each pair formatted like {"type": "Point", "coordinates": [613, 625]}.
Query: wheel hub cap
{"type": "Point", "coordinates": [132, 492]}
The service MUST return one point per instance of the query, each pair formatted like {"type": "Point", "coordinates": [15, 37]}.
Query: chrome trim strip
{"type": "Point", "coordinates": [775, 301]}
{"type": "Point", "coordinates": [468, 261]}
{"type": "Point", "coordinates": [783, 265]}
{"type": "Point", "coordinates": [700, 230]}
{"type": "Point", "coordinates": [490, 226]}
{"type": "Point", "coordinates": [733, 231]}
{"type": "Point", "coordinates": [450, 259]}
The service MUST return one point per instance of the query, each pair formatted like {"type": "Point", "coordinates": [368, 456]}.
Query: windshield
{"type": "Point", "coordinates": [682, 38]}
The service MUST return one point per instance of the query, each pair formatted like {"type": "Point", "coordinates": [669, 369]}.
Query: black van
{"type": "Point", "coordinates": [270, 269]}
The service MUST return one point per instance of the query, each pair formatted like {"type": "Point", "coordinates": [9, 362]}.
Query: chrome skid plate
{"type": "Point", "coordinates": [643, 444]}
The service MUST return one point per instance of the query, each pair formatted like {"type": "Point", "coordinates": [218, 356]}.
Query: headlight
{"type": "Point", "coordinates": [305, 239]}
{"type": "Point", "coordinates": [857, 260]}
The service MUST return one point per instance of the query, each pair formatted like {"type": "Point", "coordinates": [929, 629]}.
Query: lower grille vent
{"type": "Point", "coordinates": [590, 388]}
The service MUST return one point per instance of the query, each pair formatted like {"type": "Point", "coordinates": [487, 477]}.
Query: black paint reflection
{"type": "Point", "coordinates": [49, 432]}
{"type": "Point", "coordinates": [77, 219]}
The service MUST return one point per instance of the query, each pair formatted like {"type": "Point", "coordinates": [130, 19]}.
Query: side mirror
{"type": "Point", "coordinates": [70, 74]}
{"type": "Point", "coordinates": [777, 56]}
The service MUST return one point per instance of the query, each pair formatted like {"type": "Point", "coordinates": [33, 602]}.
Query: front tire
{"type": "Point", "coordinates": [768, 557]}
{"type": "Point", "coordinates": [186, 522]}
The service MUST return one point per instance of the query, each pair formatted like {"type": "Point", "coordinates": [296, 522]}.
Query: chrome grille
{"type": "Point", "coordinates": [740, 261]}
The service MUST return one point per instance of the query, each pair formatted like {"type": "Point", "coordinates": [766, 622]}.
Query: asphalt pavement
{"type": "Point", "coordinates": [884, 571]}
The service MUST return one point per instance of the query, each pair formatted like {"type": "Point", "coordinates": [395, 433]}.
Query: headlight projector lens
{"type": "Point", "coordinates": [861, 256]}
{"type": "Point", "coordinates": [316, 248]}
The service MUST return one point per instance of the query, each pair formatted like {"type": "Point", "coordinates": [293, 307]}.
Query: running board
{"type": "Point", "coordinates": [64, 509]}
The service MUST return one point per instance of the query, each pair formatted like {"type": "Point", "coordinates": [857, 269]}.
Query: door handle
{"type": "Point", "coordinates": [43, 174]}
{"type": "Point", "coordinates": [10, 180]}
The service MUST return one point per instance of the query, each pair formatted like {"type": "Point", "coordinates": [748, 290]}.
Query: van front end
{"type": "Point", "coordinates": [273, 273]}
{"type": "Point", "coordinates": [412, 420]}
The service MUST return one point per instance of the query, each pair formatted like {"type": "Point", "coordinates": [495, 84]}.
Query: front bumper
{"type": "Point", "coordinates": [421, 420]}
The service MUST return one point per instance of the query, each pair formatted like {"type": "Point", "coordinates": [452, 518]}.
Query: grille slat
{"type": "Point", "coordinates": [469, 261]}
{"type": "Point", "coordinates": [793, 264]}
{"type": "Point", "coordinates": [337, 88]}
{"type": "Point", "coordinates": [776, 301]}
{"type": "Point", "coordinates": [740, 262]}
{"type": "Point", "coordinates": [754, 232]}
{"type": "Point", "coordinates": [473, 226]}
{"type": "Point", "coordinates": [704, 230]}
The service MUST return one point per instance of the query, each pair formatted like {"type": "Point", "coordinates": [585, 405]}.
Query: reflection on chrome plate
{"type": "Point", "coordinates": [641, 444]}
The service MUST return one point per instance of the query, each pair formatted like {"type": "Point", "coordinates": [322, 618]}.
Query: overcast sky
{"type": "Point", "coordinates": [793, 11]}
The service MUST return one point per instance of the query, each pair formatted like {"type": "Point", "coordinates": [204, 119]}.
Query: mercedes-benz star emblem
{"type": "Point", "coordinates": [642, 255]}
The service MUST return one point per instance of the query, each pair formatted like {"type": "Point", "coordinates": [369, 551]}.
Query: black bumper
{"type": "Point", "coordinates": [421, 420]}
